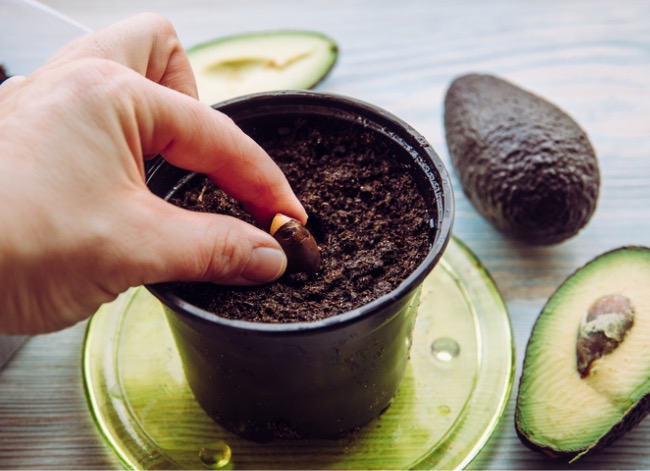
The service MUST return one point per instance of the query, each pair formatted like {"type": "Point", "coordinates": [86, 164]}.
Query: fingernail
{"type": "Point", "coordinates": [266, 264]}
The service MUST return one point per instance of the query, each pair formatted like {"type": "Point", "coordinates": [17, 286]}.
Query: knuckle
{"type": "Point", "coordinates": [157, 21]}
{"type": "Point", "coordinates": [103, 78]}
{"type": "Point", "coordinates": [90, 72]}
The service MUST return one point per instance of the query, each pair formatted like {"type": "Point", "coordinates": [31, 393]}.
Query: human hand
{"type": "Point", "coordinates": [79, 225]}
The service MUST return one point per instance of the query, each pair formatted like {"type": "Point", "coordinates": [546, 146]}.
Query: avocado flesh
{"type": "Point", "coordinates": [525, 164]}
{"type": "Point", "coordinates": [560, 412]}
{"type": "Point", "coordinates": [249, 63]}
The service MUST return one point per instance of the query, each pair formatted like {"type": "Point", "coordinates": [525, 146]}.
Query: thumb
{"type": "Point", "coordinates": [185, 245]}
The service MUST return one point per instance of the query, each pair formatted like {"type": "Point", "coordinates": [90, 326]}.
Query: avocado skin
{"type": "Point", "coordinates": [524, 163]}
{"type": "Point", "coordinates": [631, 419]}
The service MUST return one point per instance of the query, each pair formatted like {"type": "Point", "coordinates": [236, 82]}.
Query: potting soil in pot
{"type": "Point", "coordinates": [365, 212]}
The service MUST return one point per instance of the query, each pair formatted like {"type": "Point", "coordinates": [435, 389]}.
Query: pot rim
{"type": "Point", "coordinates": [412, 141]}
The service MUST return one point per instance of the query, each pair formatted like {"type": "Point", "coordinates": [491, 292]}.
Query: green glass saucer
{"type": "Point", "coordinates": [455, 389]}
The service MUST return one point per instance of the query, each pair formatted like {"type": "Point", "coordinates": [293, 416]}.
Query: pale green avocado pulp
{"type": "Point", "coordinates": [249, 63]}
{"type": "Point", "coordinates": [559, 411]}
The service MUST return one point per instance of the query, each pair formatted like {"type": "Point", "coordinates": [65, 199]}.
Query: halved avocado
{"type": "Point", "coordinates": [586, 375]}
{"type": "Point", "coordinates": [237, 65]}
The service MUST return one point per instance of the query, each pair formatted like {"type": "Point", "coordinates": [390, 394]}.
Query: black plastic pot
{"type": "Point", "coordinates": [313, 379]}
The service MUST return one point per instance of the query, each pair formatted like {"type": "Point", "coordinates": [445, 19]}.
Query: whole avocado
{"type": "Point", "coordinates": [525, 164]}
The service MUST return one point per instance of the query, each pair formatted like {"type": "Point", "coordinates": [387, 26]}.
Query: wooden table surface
{"type": "Point", "coordinates": [591, 57]}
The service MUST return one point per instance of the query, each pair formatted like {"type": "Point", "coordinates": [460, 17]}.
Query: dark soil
{"type": "Point", "coordinates": [369, 220]}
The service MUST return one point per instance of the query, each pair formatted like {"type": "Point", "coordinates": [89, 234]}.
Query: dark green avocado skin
{"type": "Point", "coordinates": [525, 164]}
{"type": "Point", "coordinates": [631, 419]}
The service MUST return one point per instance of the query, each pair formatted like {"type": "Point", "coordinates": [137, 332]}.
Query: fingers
{"type": "Point", "coordinates": [189, 134]}
{"type": "Point", "coordinates": [146, 43]}
{"type": "Point", "coordinates": [192, 246]}
{"type": "Point", "coordinates": [193, 136]}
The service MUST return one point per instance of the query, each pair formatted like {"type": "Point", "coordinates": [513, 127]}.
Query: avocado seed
{"type": "Point", "coordinates": [303, 254]}
{"type": "Point", "coordinates": [602, 330]}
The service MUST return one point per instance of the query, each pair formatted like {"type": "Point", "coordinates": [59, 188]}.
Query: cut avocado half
{"type": "Point", "coordinates": [586, 375]}
{"type": "Point", "coordinates": [248, 63]}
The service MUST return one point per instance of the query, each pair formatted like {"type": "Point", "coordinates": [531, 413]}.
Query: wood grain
{"type": "Point", "coordinates": [590, 57]}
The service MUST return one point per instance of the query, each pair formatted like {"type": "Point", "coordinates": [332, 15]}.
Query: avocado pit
{"type": "Point", "coordinates": [303, 254]}
{"type": "Point", "coordinates": [604, 327]}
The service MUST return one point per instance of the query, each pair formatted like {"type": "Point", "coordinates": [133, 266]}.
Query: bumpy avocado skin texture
{"type": "Point", "coordinates": [524, 163]}
{"type": "Point", "coordinates": [551, 387]}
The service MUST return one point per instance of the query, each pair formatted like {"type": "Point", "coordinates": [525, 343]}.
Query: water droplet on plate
{"type": "Point", "coordinates": [445, 349]}
{"type": "Point", "coordinates": [216, 456]}
{"type": "Point", "coordinates": [444, 410]}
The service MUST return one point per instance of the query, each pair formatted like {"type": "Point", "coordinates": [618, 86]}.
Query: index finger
{"type": "Point", "coordinates": [191, 135]}
{"type": "Point", "coordinates": [146, 43]}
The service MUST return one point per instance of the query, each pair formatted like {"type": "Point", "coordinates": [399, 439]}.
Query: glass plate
{"type": "Point", "coordinates": [455, 389]}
